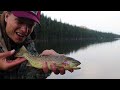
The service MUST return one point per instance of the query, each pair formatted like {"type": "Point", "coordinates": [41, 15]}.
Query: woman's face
{"type": "Point", "coordinates": [18, 28]}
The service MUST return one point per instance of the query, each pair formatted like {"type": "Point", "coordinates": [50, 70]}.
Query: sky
{"type": "Point", "coordinates": [104, 21]}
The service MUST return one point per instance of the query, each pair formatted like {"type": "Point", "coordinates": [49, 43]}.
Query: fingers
{"type": "Point", "coordinates": [62, 71]}
{"type": "Point", "coordinates": [57, 71]}
{"type": "Point", "coordinates": [71, 70]}
{"type": "Point", "coordinates": [45, 67]}
{"type": "Point", "coordinates": [62, 54]}
{"type": "Point", "coordinates": [53, 67]}
{"type": "Point", "coordinates": [15, 62]}
{"type": "Point", "coordinates": [49, 52]}
{"type": "Point", "coordinates": [6, 54]}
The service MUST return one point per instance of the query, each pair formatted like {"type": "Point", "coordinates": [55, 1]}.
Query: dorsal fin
{"type": "Point", "coordinates": [21, 52]}
{"type": "Point", "coordinates": [23, 49]}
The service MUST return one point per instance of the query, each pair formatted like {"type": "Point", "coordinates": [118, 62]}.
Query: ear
{"type": "Point", "coordinates": [6, 15]}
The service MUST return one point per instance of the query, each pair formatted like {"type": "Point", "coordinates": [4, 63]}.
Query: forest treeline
{"type": "Point", "coordinates": [56, 30]}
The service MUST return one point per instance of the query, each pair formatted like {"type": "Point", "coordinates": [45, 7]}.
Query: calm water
{"type": "Point", "coordinates": [98, 61]}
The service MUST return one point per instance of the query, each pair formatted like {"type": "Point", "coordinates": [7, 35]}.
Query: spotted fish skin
{"type": "Point", "coordinates": [60, 60]}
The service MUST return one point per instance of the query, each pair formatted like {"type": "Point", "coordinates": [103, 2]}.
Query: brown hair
{"type": "Point", "coordinates": [2, 19]}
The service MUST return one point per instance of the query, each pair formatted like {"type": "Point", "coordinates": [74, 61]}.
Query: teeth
{"type": "Point", "coordinates": [20, 34]}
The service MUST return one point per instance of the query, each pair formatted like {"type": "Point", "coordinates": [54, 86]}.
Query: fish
{"type": "Point", "coordinates": [59, 60]}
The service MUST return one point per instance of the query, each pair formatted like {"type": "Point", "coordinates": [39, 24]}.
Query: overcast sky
{"type": "Point", "coordinates": [105, 21]}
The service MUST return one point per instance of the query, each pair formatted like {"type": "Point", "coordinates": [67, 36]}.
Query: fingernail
{"type": "Point", "coordinates": [12, 51]}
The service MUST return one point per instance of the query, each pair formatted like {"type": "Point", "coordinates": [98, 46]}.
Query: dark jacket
{"type": "Point", "coordinates": [21, 71]}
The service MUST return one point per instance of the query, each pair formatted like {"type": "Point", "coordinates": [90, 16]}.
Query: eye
{"type": "Point", "coordinates": [19, 21]}
{"type": "Point", "coordinates": [30, 24]}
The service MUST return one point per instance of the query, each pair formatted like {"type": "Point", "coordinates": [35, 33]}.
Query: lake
{"type": "Point", "coordinates": [98, 61]}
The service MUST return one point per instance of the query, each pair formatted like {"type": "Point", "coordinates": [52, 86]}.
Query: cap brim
{"type": "Point", "coordinates": [26, 15]}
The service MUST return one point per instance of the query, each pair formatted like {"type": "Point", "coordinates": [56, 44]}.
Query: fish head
{"type": "Point", "coordinates": [71, 62]}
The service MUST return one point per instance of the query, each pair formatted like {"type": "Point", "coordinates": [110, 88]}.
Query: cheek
{"type": "Point", "coordinates": [10, 28]}
{"type": "Point", "coordinates": [30, 30]}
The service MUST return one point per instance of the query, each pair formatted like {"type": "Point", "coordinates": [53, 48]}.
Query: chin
{"type": "Point", "coordinates": [18, 42]}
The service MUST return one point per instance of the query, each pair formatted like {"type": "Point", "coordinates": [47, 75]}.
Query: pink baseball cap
{"type": "Point", "coordinates": [34, 15]}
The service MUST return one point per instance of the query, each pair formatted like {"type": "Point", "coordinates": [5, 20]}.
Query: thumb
{"type": "Point", "coordinates": [7, 53]}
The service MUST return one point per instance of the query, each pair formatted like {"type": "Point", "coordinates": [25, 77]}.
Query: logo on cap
{"type": "Point", "coordinates": [35, 12]}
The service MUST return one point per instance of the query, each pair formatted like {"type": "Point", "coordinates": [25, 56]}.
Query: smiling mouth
{"type": "Point", "coordinates": [20, 35]}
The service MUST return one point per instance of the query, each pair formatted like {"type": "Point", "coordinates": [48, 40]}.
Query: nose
{"type": "Point", "coordinates": [24, 28]}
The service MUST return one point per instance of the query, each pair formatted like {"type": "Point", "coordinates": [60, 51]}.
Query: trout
{"type": "Point", "coordinates": [37, 61]}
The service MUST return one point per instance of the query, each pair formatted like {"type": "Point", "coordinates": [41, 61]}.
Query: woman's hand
{"type": "Point", "coordinates": [53, 66]}
{"type": "Point", "coordinates": [50, 52]}
{"type": "Point", "coordinates": [8, 64]}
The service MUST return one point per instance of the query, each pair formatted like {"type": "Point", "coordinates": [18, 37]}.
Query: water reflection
{"type": "Point", "coordinates": [98, 59]}
{"type": "Point", "coordinates": [66, 47]}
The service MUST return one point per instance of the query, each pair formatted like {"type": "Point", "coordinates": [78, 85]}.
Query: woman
{"type": "Point", "coordinates": [16, 30]}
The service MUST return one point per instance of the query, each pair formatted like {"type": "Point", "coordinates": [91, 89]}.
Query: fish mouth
{"type": "Point", "coordinates": [75, 68]}
{"type": "Point", "coordinates": [76, 64]}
